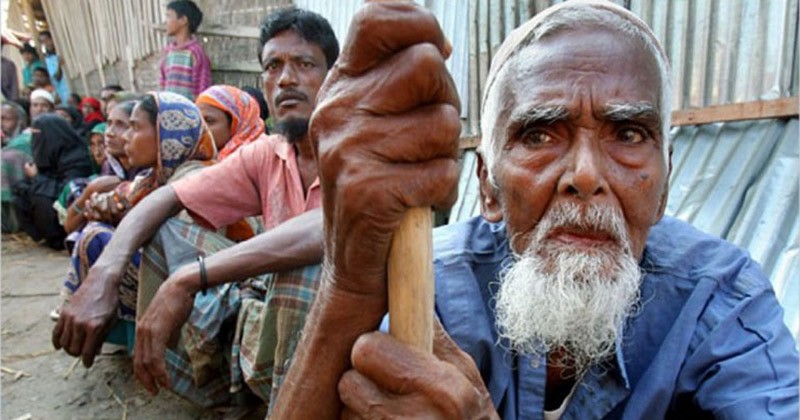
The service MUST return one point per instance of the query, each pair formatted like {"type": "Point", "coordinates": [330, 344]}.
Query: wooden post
{"type": "Point", "coordinates": [129, 59]}
{"type": "Point", "coordinates": [410, 272]}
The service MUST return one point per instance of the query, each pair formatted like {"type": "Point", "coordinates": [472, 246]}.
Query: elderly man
{"type": "Point", "coordinates": [573, 296]}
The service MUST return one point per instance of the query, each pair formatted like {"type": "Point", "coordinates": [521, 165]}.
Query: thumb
{"type": "Point", "coordinates": [448, 351]}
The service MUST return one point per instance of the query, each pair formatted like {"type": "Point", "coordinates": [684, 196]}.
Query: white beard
{"type": "Point", "coordinates": [556, 296]}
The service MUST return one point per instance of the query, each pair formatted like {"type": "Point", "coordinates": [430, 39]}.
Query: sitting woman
{"type": "Point", "coordinates": [166, 140]}
{"type": "Point", "coordinates": [232, 116]}
{"type": "Point", "coordinates": [59, 155]}
{"type": "Point", "coordinates": [114, 169]}
{"type": "Point", "coordinates": [91, 113]}
{"type": "Point", "coordinates": [77, 186]}
{"type": "Point", "coordinates": [97, 146]}
{"type": "Point", "coordinates": [16, 153]}
{"type": "Point", "coordinates": [73, 116]}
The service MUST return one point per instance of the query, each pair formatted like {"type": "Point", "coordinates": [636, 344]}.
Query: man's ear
{"type": "Point", "coordinates": [490, 197]}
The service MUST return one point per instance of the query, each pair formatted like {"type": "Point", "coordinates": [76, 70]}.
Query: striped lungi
{"type": "Point", "coordinates": [240, 337]}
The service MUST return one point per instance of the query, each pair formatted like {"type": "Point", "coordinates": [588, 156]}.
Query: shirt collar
{"type": "Point", "coordinates": [283, 149]}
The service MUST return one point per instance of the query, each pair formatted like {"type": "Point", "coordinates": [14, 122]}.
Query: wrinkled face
{"type": "Point", "coordinates": [293, 71]}
{"type": "Point", "coordinates": [117, 124]}
{"type": "Point", "coordinates": [40, 106]}
{"type": "Point", "coordinates": [173, 22]}
{"type": "Point", "coordinates": [9, 120]}
{"type": "Point", "coordinates": [579, 124]}
{"type": "Point", "coordinates": [97, 147]}
{"type": "Point", "coordinates": [218, 122]}
{"type": "Point", "coordinates": [142, 148]}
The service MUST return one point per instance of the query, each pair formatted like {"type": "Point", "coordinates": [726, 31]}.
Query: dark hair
{"type": "Point", "coordinates": [25, 103]}
{"type": "Point", "coordinates": [115, 88]}
{"type": "Point", "coordinates": [74, 113]}
{"type": "Point", "coordinates": [41, 69]}
{"type": "Point", "coordinates": [28, 48]}
{"type": "Point", "coordinates": [76, 97]}
{"type": "Point", "coordinates": [127, 106]}
{"type": "Point", "coordinates": [309, 25]}
{"type": "Point", "coordinates": [46, 33]}
{"type": "Point", "coordinates": [259, 97]}
{"type": "Point", "coordinates": [150, 106]}
{"type": "Point", "coordinates": [187, 8]}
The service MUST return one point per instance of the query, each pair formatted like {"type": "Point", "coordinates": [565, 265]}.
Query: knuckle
{"type": "Point", "coordinates": [427, 58]}
{"type": "Point", "coordinates": [451, 122]}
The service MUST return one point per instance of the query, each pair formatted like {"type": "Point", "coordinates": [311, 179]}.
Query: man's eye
{"type": "Point", "coordinates": [536, 137]}
{"type": "Point", "coordinates": [631, 136]}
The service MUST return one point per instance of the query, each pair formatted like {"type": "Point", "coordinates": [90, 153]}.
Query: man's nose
{"type": "Point", "coordinates": [288, 75]}
{"type": "Point", "coordinates": [584, 177]}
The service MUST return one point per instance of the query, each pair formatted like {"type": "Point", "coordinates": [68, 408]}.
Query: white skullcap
{"type": "Point", "coordinates": [43, 94]}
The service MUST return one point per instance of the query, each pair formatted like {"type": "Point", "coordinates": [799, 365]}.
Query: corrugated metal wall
{"type": "Point", "coordinates": [726, 51]}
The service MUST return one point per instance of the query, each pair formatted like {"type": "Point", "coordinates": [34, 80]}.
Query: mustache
{"type": "Point", "coordinates": [592, 219]}
{"type": "Point", "coordinates": [290, 94]}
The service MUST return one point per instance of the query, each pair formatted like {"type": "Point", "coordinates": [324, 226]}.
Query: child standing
{"type": "Point", "coordinates": [185, 67]}
{"type": "Point", "coordinates": [54, 65]}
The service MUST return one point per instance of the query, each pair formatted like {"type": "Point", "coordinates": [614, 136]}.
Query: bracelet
{"type": "Point", "coordinates": [78, 209]}
{"type": "Point", "coordinates": [203, 275]}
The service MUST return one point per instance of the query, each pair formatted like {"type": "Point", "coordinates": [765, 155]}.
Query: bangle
{"type": "Point", "coordinates": [78, 209]}
{"type": "Point", "coordinates": [203, 275]}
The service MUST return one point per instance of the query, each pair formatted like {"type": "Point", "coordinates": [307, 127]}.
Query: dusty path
{"type": "Point", "coordinates": [31, 277]}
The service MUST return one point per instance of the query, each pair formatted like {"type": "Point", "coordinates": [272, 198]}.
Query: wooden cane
{"type": "Point", "coordinates": [410, 271]}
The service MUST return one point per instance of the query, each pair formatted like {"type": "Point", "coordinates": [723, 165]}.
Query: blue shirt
{"type": "Point", "coordinates": [709, 339]}
{"type": "Point", "coordinates": [62, 86]}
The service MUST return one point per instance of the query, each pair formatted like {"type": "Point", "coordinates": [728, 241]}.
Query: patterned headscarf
{"type": "Point", "coordinates": [182, 136]}
{"type": "Point", "coordinates": [246, 123]}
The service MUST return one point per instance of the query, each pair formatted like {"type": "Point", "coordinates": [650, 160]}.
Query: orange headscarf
{"type": "Point", "coordinates": [246, 123]}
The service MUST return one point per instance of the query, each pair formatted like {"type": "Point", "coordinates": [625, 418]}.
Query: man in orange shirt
{"type": "Point", "coordinates": [276, 178]}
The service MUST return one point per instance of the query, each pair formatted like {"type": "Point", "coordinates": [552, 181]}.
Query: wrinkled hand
{"type": "Point", "coordinates": [105, 207]}
{"type": "Point", "coordinates": [99, 185]}
{"type": "Point", "coordinates": [30, 169]}
{"type": "Point", "coordinates": [391, 379]}
{"type": "Point", "coordinates": [157, 330]}
{"type": "Point", "coordinates": [386, 128]}
{"type": "Point", "coordinates": [88, 316]}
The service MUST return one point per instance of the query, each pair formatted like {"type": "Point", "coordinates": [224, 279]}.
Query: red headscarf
{"type": "Point", "coordinates": [95, 114]}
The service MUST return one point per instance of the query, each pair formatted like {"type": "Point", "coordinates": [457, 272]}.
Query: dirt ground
{"type": "Point", "coordinates": [38, 382]}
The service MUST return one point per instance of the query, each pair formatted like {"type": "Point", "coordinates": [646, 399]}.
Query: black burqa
{"type": "Point", "coordinates": [60, 155]}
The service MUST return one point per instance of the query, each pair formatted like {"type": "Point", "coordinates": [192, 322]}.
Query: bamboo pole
{"type": "Point", "coordinates": [410, 271]}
